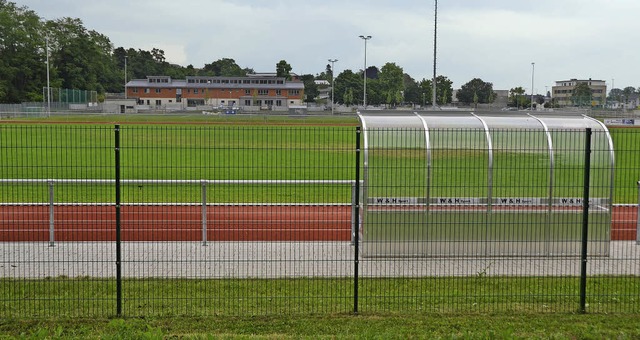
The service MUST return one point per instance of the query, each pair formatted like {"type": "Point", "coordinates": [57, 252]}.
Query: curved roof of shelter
{"type": "Point", "coordinates": [471, 120]}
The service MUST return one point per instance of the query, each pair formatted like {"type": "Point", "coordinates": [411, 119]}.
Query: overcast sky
{"type": "Point", "coordinates": [495, 40]}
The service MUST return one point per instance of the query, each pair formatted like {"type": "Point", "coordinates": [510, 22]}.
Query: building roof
{"type": "Point", "coordinates": [559, 82]}
{"type": "Point", "coordinates": [253, 82]}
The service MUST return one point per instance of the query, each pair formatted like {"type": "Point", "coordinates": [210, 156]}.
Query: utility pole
{"type": "Point", "coordinates": [435, 39]}
{"type": "Point", "coordinates": [332, 61]}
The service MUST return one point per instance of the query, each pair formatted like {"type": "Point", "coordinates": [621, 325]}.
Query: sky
{"type": "Point", "coordinates": [494, 40]}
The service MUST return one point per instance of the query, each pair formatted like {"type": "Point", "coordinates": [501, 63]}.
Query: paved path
{"type": "Point", "coordinates": [279, 260]}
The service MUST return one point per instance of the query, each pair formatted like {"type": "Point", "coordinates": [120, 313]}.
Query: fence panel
{"type": "Point", "coordinates": [257, 220]}
{"type": "Point", "coordinates": [271, 235]}
{"type": "Point", "coordinates": [53, 261]}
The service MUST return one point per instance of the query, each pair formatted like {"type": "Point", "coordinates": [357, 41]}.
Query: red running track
{"type": "Point", "coordinates": [177, 223]}
{"type": "Point", "coordinates": [224, 223]}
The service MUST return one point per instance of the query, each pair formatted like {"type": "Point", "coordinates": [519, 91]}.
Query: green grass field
{"type": "Point", "coordinates": [281, 147]}
{"type": "Point", "coordinates": [388, 326]}
{"type": "Point", "coordinates": [450, 308]}
{"type": "Point", "coordinates": [157, 297]}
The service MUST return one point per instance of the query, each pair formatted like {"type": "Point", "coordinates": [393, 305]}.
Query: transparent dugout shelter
{"type": "Point", "coordinates": [465, 184]}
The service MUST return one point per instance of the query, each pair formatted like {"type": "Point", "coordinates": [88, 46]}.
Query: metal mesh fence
{"type": "Point", "coordinates": [163, 220]}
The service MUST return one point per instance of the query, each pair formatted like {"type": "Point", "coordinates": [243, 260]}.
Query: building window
{"type": "Point", "coordinates": [158, 90]}
{"type": "Point", "coordinates": [195, 91]}
{"type": "Point", "coordinates": [194, 102]}
{"type": "Point", "coordinates": [278, 92]}
{"type": "Point", "coordinates": [247, 92]}
{"type": "Point", "coordinates": [146, 90]}
{"type": "Point", "coordinates": [278, 102]}
{"type": "Point", "coordinates": [158, 102]}
{"type": "Point", "coordinates": [263, 92]}
{"type": "Point", "coordinates": [247, 102]}
{"type": "Point", "coordinates": [135, 90]}
{"type": "Point", "coordinates": [294, 92]}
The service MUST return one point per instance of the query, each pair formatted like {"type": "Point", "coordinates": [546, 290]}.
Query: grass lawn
{"type": "Point", "coordinates": [391, 326]}
{"type": "Point", "coordinates": [158, 297]}
{"type": "Point", "coordinates": [239, 147]}
{"type": "Point", "coordinates": [478, 307]}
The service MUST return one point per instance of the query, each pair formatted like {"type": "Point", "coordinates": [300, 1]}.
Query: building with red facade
{"type": "Point", "coordinates": [255, 90]}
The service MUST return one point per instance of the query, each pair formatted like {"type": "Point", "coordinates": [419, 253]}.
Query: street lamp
{"type": "Point", "coordinates": [332, 61]}
{"type": "Point", "coordinates": [365, 38]}
{"type": "Point", "coordinates": [533, 69]}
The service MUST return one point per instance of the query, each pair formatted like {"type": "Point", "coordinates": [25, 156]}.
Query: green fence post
{"type": "Point", "coordinates": [356, 221]}
{"type": "Point", "coordinates": [585, 222]}
{"type": "Point", "coordinates": [118, 224]}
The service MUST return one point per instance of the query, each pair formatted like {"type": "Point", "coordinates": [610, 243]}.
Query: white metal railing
{"type": "Point", "coordinates": [203, 200]}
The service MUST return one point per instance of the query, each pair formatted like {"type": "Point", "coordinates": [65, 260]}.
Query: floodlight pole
{"type": "Point", "coordinates": [332, 61]}
{"type": "Point", "coordinates": [365, 38]}
{"type": "Point", "coordinates": [46, 39]}
{"type": "Point", "coordinates": [533, 69]}
{"type": "Point", "coordinates": [435, 37]}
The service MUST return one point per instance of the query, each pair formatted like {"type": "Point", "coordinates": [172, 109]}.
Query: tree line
{"type": "Point", "coordinates": [84, 59]}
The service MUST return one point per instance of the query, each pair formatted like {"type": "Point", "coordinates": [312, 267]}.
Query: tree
{"type": "Point", "coordinates": [327, 74]}
{"type": "Point", "coordinates": [347, 81]}
{"type": "Point", "coordinates": [283, 69]}
{"type": "Point", "coordinates": [628, 91]}
{"type": "Point", "coordinates": [376, 95]}
{"type": "Point", "coordinates": [225, 67]}
{"type": "Point", "coordinates": [83, 59]}
{"type": "Point", "coordinates": [615, 94]}
{"type": "Point", "coordinates": [412, 91]}
{"type": "Point", "coordinates": [310, 88]}
{"type": "Point", "coordinates": [476, 91]}
{"type": "Point", "coordinates": [581, 94]}
{"type": "Point", "coordinates": [444, 90]}
{"type": "Point", "coordinates": [347, 98]}
{"type": "Point", "coordinates": [426, 92]}
{"type": "Point", "coordinates": [517, 97]}
{"type": "Point", "coordinates": [22, 54]}
{"type": "Point", "coordinates": [391, 78]}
